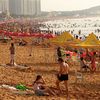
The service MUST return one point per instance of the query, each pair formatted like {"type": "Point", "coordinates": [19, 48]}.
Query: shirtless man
{"type": "Point", "coordinates": [62, 74]}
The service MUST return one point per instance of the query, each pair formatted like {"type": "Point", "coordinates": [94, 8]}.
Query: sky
{"type": "Point", "coordinates": [67, 5]}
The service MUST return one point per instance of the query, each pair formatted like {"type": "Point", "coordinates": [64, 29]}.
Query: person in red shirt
{"type": "Point", "coordinates": [93, 60]}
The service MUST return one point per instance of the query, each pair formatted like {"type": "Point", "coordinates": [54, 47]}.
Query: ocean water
{"type": "Point", "coordinates": [84, 26]}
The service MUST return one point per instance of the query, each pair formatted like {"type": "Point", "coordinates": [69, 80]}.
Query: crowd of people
{"type": "Point", "coordinates": [86, 58]}
{"type": "Point", "coordinates": [78, 28]}
{"type": "Point", "coordinates": [75, 26]}
{"type": "Point", "coordinates": [21, 27]}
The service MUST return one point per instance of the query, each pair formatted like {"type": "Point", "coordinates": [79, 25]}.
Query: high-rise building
{"type": "Point", "coordinates": [38, 6]}
{"type": "Point", "coordinates": [4, 5]}
{"type": "Point", "coordinates": [24, 7]}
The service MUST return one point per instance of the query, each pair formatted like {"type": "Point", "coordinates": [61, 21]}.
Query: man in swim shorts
{"type": "Point", "coordinates": [62, 75]}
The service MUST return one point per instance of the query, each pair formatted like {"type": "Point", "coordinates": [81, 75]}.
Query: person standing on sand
{"type": "Point", "coordinates": [93, 61]}
{"type": "Point", "coordinates": [12, 53]}
{"type": "Point", "coordinates": [62, 75]}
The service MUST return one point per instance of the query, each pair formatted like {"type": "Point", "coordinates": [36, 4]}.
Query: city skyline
{"type": "Point", "coordinates": [54, 5]}
{"type": "Point", "coordinates": [21, 7]}
{"type": "Point", "coordinates": [4, 5]}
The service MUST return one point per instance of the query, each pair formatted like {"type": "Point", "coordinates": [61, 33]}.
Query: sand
{"type": "Point", "coordinates": [43, 62]}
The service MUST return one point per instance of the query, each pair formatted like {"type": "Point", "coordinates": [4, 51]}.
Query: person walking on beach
{"type": "Point", "coordinates": [62, 75]}
{"type": "Point", "coordinates": [12, 53]}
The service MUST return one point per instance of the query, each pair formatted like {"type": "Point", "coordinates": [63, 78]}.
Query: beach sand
{"type": "Point", "coordinates": [43, 62]}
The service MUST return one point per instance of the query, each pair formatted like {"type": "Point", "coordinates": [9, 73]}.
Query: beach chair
{"type": "Point", "coordinates": [78, 76]}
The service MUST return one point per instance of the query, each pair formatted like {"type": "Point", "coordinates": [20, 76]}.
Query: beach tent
{"type": "Point", "coordinates": [90, 42]}
{"type": "Point", "coordinates": [64, 39]}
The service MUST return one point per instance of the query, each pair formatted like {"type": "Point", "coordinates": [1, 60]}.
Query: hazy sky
{"type": "Point", "coordinates": [67, 5]}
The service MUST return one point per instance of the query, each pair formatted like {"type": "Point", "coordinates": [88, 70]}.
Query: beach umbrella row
{"type": "Point", "coordinates": [64, 39]}
{"type": "Point", "coordinates": [90, 42]}
{"type": "Point", "coordinates": [17, 34]}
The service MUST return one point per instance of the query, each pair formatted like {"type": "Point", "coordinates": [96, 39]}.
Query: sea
{"type": "Point", "coordinates": [75, 26]}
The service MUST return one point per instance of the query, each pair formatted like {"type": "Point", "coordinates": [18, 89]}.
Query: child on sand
{"type": "Point", "coordinates": [40, 88]}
